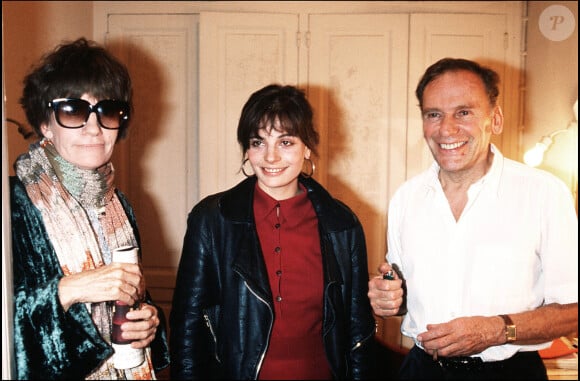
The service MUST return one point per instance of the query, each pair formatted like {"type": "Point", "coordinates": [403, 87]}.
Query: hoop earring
{"type": "Point", "coordinates": [243, 170]}
{"type": "Point", "coordinates": [312, 168]}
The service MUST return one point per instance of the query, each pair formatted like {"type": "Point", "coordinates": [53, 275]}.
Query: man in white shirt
{"type": "Point", "coordinates": [486, 246]}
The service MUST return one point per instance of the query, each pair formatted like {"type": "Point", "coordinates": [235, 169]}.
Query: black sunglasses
{"type": "Point", "coordinates": [74, 112]}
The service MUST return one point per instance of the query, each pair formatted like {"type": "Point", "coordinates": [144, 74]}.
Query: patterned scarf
{"type": "Point", "coordinates": [85, 221]}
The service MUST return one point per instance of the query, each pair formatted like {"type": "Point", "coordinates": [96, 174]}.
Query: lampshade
{"type": "Point", "coordinates": [535, 156]}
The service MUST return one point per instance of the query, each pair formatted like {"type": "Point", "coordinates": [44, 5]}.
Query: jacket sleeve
{"type": "Point", "coordinates": [49, 343]}
{"type": "Point", "coordinates": [362, 319]}
{"type": "Point", "coordinates": [192, 344]}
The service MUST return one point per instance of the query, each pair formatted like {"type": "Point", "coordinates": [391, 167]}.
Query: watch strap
{"type": "Point", "coordinates": [510, 329]}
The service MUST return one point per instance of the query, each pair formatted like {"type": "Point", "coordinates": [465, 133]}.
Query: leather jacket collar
{"type": "Point", "coordinates": [237, 204]}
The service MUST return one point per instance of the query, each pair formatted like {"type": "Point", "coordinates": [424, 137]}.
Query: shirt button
{"type": "Point", "coordinates": [277, 249]}
{"type": "Point", "coordinates": [277, 226]}
{"type": "Point", "coordinates": [278, 298]}
{"type": "Point", "coordinates": [279, 272]}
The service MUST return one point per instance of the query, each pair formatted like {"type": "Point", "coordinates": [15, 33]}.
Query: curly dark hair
{"type": "Point", "coordinates": [287, 104]}
{"type": "Point", "coordinates": [489, 77]}
{"type": "Point", "coordinates": [69, 71]}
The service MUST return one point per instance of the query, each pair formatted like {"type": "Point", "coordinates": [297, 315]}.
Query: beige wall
{"type": "Point", "coordinates": [551, 87]}
{"type": "Point", "coordinates": [30, 29]}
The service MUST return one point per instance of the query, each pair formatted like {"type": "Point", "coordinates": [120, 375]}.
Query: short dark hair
{"type": "Point", "coordinates": [69, 71]}
{"type": "Point", "coordinates": [489, 77]}
{"type": "Point", "coordinates": [288, 104]}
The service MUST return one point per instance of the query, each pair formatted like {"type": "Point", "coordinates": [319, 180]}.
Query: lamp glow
{"type": "Point", "coordinates": [535, 156]}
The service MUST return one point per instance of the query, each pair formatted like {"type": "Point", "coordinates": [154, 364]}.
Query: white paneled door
{"type": "Point", "coordinates": [357, 64]}
{"type": "Point", "coordinates": [357, 82]}
{"type": "Point", "coordinates": [239, 54]}
{"type": "Point", "coordinates": [156, 166]}
{"type": "Point", "coordinates": [193, 72]}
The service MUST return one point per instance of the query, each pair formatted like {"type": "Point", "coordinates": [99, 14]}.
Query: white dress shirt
{"type": "Point", "coordinates": [513, 249]}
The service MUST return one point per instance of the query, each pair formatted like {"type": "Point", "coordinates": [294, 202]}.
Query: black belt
{"type": "Point", "coordinates": [467, 363]}
{"type": "Point", "coordinates": [463, 363]}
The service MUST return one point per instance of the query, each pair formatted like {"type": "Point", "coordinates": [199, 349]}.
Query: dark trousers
{"type": "Point", "coordinates": [418, 365]}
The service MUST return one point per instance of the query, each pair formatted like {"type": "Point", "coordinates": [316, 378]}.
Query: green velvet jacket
{"type": "Point", "coordinates": [50, 343]}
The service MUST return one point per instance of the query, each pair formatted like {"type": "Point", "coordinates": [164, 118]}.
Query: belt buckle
{"type": "Point", "coordinates": [461, 363]}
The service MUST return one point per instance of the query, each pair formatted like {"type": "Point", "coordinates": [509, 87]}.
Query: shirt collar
{"type": "Point", "coordinates": [265, 206]}
{"type": "Point", "coordinates": [492, 177]}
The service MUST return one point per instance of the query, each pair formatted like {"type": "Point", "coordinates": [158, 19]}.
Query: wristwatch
{"type": "Point", "coordinates": [510, 329]}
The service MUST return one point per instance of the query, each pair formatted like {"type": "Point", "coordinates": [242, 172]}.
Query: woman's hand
{"type": "Point", "coordinates": [142, 325]}
{"type": "Point", "coordinates": [115, 281]}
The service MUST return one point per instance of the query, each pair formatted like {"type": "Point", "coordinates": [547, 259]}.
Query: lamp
{"type": "Point", "coordinates": [535, 156]}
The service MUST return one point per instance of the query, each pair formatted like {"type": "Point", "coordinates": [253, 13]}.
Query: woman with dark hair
{"type": "Point", "coordinates": [272, 282]}
{"type": "Point", "coordinates": [67, 220]}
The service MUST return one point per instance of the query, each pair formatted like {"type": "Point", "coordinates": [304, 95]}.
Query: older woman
{"type": "Point", "coordinates": [68, 218]}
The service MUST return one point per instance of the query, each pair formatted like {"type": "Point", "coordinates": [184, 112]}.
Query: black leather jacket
{"type": "Point", "coordinates": [222, 312]}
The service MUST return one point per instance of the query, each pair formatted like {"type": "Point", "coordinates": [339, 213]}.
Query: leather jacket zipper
{"type": "Point", "coordinates": [269, 330]}
{"type": "Point", "coordinates": [358, 344]}
{"type": "Point", "coordinates": [208, 324]}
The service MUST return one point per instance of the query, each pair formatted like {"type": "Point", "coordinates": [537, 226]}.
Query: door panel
{"type": "Point", "coordinates": [357, 68]}
{"type": "Point", "coordinates": [240, 53]}
{"type": "Point", "coordinates": [357, 83]}
{"type": "Point", "coordinates": [157, 163]}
